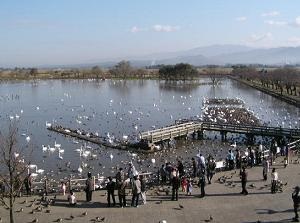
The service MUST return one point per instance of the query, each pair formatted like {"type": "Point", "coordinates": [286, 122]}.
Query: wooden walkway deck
{"type": "Point", "coordinates": [192, 127]}
{"type": "Point", "coordinates": [170, 132]}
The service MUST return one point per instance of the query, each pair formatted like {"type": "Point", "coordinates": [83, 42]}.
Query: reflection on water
{"type": "Point", "coordinates": [120, 108]}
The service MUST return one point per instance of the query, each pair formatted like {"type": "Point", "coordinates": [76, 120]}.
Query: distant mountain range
{"type": "Point", "coordinates": [212, 55]}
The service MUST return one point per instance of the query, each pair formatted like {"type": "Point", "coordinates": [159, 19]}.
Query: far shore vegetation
{"type": "Point", "coordinates": [285, 79]}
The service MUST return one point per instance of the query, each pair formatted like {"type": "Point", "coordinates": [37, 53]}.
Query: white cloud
{"type": "Point", "coordinates": [257, 38]}
{"type": "Point", "coordinates": [296, 23]}
{"type": "Point", "coordinates": [165, 28]}
{"type": "Point", "coordinates": [270, 14]}
{"type": "Point", "coordinates": [276, 23]}
{"type": "Point", "coordinates": [135, 29]}
{"type": "Point", "coordinates": [294, 41]}
{"type": "Point", "coordinates": [241, 19]}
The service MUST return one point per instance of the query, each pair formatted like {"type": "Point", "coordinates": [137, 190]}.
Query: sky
{"type": "Point", "coordinates": [57, 32]}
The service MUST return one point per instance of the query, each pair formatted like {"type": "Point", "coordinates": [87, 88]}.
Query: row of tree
{"type": "Point", "coordinates": [285, 79]}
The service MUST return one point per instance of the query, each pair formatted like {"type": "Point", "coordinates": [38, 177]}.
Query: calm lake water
{"type": "Point", "coordinates": [119, 108]}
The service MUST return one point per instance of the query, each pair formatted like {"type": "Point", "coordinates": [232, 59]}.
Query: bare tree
{"type": "Point", "coordinates": [97, 71]}
{"type": "Point", "coordinates": [13, 169]}
{"type": "Point", "coordinates": [214, 75]}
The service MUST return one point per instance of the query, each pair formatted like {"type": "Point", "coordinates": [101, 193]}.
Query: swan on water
{"type": "Point", "coordinates": [28, 139]}
{"type": "Point", "coordinates": [48, 124]}
{"type": "Point", "coordinates": [57, 145]}
{"type": "Point", "coordinates": [44, 148]}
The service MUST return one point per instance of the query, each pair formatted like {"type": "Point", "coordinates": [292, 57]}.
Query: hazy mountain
{"type": "Point", "coordinates": [206, 51]}
{"type": "Point", "coordinates": [215, 54]}
{"type": "Point", "coordinates": [230, 54]}
{"type": "Point", "coordinates": [281, 55]}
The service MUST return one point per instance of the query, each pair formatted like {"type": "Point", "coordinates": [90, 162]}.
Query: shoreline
{"type": "Point", "coordinates": [286, 98]}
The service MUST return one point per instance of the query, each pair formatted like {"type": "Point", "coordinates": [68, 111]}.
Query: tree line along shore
{"type": "Point", "coordinates": [285, 79]}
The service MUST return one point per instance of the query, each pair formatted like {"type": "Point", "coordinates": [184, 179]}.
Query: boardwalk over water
{"type": "Point", "coordinates": [193, 127]}
{"type": "Point", "coordinates": [183, 129]}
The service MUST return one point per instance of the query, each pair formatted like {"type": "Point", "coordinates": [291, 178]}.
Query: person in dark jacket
{"type": "Point", "coordinates": [296, 201]}
{"type": "Point", "coordinates": [110, 187]}
{"type": "Point", "coordinates": [28, 184]}
{"type": "Point", "coordinates": [143, 189]}
{"type": "Point", "coordinates": [122, 194]}
{"type": "Point", "coordinates": [180, 168]}
{"type": "Point", "coordinates": [201, 183]}
{"type": "Point", "coordinates": [175, 187]}
{"type": "Point", "coordinates": [211, 169]}
{"type": "Point", "coordinates": [244, 176]}
{"type": "Point", "coordinates": [136, 191]}
{"type": "Point", "coordinates": [120, 177]}
{"type": "Point", "coordinates": [89, 187]}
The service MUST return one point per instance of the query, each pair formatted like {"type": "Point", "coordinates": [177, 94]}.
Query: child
{"type": "Point", "coordinates": [285, 162]}
{"type": "Point", "coordinates": [72, 198]}
{"type": "Point", "coordinates": [189, 187]}
{"type": "Point", "coordinates": [183, 184]}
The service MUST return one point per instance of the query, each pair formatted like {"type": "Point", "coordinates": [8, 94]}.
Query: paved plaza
{"type": "Point", "coordinates": [223, 203]}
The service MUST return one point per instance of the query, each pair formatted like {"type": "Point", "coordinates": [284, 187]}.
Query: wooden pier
{"type": "Point", "coordinates": [101, 141]}
{"type": "Point", "coordinates": [183, 129]}
{"type": "Point", "coordinates": [198, 127]}
{"type": "Point", "coordinates": [171, 132]}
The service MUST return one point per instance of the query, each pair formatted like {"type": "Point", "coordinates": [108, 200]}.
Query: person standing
{"type": "Point", "coordinates": [122, 194]}
{"type": "Point", "coordinates": [296, 202]}
{"type": "Point", "coordinates": [189, 187]}
{"type": "Point", "coordinates": [211, 169]}
{"type": "Point", "coordinates": [244, 176]}
{"type": "Point", "coordinates": [265, 165]}
{"type": "Point", "coordinates": [120, 177]}
{"type": "Point", "coordinates": [274, 180]}
{"type": "Point", "coordinates": [143, 189]}
{"type": "Point", "coordinates": [136, 191]}
{"type": "Point", "coordinates": [238, 159]}
{"type": "Point", "coordinates": [28, 184]}
{"type": "Point", "coordinates": [89, 187]}
{"type": "Point", "coordinates": [110, 187]}
{"type": "Point", "coordinates": [180, 168]}
{"type": "Point", "coordinates": [163, 174]}
{"type": "Point", "coordinates": [194, 164]}
{"type": "Point", "coordinates": [230, 159]}
{"type": "Point", "coordinates": [202, 181]}
{"type": "Point", "coordinates": [175, 187]}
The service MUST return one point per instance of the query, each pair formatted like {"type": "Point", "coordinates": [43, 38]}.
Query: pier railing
{"type": "Point", "coordinates": [185, 127]}
{"type": "Point", "coordinates": [170, 132]}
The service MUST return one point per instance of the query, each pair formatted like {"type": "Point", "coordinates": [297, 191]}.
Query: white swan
{"type": "Point", "coordinates": [16, 155]}
{"type": "Point", "coordinates": [57, 145]}
{"type": "Point", "coordinates": [44, 148]}
{"type": "Point", "coordinates": [79, 169]}
{"type": "Point", "coordinates": [233, 145]}
{"type": "Point", "coordinates": [48, 124]}
{"type": "Point", "coordinates": [28, 139]}
{"type": "Point", "coordinates": [59, 156]}
{"type": "Point", "coordinates": [51, 149]}
{"type": "Point", "coordinates": [40, 171]}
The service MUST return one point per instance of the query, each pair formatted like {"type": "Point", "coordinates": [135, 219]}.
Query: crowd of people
{"type": "Point", "coordinates": [199, 171]}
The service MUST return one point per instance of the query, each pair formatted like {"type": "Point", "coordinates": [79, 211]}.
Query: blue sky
{"type": "Point", "coordinates": [40, 32]}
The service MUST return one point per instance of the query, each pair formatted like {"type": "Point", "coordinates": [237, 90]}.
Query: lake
{"type": "Point", "coordinates": [118, 108]}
